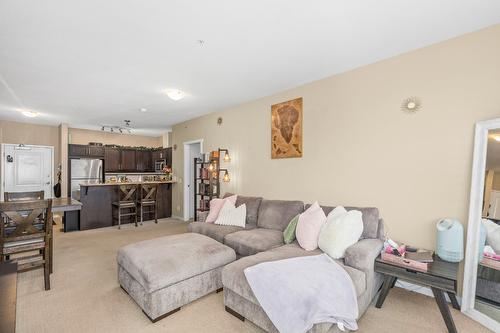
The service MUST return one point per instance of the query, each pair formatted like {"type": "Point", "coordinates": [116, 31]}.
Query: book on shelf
{"type": "Point", "coordinates": [204, 204]}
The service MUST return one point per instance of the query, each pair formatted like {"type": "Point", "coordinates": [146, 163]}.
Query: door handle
{"type": "Point", "coordinates": [47, 183]}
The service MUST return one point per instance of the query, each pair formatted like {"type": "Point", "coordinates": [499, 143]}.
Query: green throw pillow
{"type": "Point", "coordinates": [289, 233]}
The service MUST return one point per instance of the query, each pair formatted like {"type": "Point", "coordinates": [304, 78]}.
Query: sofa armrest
{"type": "Point", "coordinates": [362, 255]}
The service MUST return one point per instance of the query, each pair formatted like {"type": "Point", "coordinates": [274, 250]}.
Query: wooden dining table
{"type": "Point", "coordinates": [71, 209]}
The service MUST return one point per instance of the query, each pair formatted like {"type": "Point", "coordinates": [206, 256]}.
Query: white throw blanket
{"type": "Point", "coordinates": [299, 292]}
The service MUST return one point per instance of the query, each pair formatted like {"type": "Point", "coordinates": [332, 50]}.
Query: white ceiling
{"type": "Point", "coordinates": [94, 62]}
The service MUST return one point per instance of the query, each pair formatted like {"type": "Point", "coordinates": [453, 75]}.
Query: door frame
{"type": "Point", "coordinates": [2, 164]}
{"type": "Point", "coordinates": [187, 163]}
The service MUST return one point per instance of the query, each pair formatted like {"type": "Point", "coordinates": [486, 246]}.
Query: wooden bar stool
{"type": "Point", "coordinates": [148, 199]}
{"type": "Point", "coordinates": [127, 204]}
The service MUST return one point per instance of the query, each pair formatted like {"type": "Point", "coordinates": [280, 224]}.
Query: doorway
{"type": "Point", "coordinates": [27, 168]}
{"type": "Point", "coordinates": [192, 149]}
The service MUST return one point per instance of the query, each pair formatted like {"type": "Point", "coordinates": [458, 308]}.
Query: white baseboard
{"type": "Point", "coordinates": [422, 290]}
{"type": "Point", "coordinates": [177, 218]}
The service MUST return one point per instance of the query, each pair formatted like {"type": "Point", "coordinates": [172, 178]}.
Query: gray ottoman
{"type": "Point", "coordinates": [165, 273]}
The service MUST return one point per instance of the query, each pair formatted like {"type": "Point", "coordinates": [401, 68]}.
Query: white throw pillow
{"type": "Point", "coordinates": [342, 229]}
{"type": "Point", "coordinates": [492, 234]}
{"type": "Point", "coordinates": [230, 215]}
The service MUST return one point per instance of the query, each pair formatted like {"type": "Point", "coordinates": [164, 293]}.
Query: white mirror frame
{"type": "Point", "coordinates": [473, 229]}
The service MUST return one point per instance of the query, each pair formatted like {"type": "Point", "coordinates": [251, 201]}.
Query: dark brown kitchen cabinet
{"type": "Point", "coordinates": [85, 151]}
{"type": "Point", "coordinates": [78, 150]}
{"type": "Point", "coordinates": [155, 155]}
{"type": "Point", "coordinates": [96, 151]}
{"type": "Point", "coordinates": [168, 155]}
{"type": "Point", "coordinates": [163, 154]}
{"type": "Point", "coordinates": [111, 159]}
{"type": "Point", "coordinates": [144, 161]}
{"type": "Point", "coordinates": [128, 160]}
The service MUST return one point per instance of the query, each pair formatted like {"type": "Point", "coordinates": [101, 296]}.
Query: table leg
{"type": "Point", "coordinates": [445, 310]}
{"type": "Point", "coordinates": [453, 300]}
{"type": "Point", "coordinates": [388, 282]}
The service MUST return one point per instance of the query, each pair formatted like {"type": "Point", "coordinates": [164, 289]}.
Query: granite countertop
{"type": "Point", "coordinates": [128, 183]}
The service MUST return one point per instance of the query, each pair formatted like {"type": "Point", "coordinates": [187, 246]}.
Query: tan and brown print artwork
{"type": "Point", "coordinates": [286, 129]}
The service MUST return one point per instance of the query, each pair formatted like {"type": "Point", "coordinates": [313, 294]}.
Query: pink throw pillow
{"type": "Point", "coordinates": [309, 227]}
{"type": "Point", "coordinates": [216, 205]}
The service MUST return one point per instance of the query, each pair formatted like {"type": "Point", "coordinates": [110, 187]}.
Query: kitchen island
{"type": "Point", "coordinates": [97, 202]}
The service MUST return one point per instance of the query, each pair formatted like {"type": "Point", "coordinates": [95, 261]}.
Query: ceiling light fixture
{"type": "Point", "coordinates": [30, 114]}
{"type": "Point", "coordinates": [175, 94]}
{"type": "Point", "coordinates": [143, 109]}
{"type": "Point", "coordinates": [497, 138]}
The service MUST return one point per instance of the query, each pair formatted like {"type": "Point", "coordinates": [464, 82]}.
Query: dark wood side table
{"type": "Point", "coordinates": [8, 297]}
{"type": "Point", "coordinates": [441, 277]}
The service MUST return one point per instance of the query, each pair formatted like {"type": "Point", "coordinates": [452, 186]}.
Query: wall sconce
{"type": "Point", "coordinates": [226, 176]}
{"type": "Point", "coordinates": [226, 158]}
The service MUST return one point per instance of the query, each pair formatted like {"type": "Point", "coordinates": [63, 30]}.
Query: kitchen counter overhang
{"type": "Point", "coordinates": [127, 183]}
{"type": "Point", "coordinates": [97, 200]}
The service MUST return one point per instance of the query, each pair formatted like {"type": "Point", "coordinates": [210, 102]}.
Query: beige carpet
{"type": "Point", "coordinates": [85, 295]}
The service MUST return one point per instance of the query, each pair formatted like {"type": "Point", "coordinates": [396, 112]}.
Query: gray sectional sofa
{"type": "Point", "coordinates": [262, 240]}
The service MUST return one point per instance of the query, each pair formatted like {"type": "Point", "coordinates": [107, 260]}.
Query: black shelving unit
{"type": "Point", "coordinates": [207, 183]}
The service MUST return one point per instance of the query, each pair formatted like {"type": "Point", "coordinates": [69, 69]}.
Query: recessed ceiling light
{"type": "Point", "coordinates": [143, 109]}
{"type": "Point", "coordinates": [30, 114]}
{"type": "Point", "coordinates": [175, 94]}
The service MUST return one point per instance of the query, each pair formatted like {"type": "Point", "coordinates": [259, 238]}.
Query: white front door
{"type": "Point", "coordinates": [27, 169]}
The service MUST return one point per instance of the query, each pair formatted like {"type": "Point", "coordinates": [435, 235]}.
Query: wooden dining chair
{"type": "Point", "coordinates": [126, 206]}
{"type": "Point", "coordinates": [147, 198]}
{"type": "Point", "coordinates": [30, 196]}
{"type": "Point", "coordinates": [27, 229]}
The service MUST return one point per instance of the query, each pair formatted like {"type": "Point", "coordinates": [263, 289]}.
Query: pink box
{"type": "Point", "coordinates": [400, 261]}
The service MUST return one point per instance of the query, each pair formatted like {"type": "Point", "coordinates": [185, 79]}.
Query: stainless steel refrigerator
{"type": "Point", "coordinates": [84, 170]}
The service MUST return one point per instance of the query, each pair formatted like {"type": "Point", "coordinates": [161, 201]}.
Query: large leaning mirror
{"type": "Point", "coordinates": [481, 288]}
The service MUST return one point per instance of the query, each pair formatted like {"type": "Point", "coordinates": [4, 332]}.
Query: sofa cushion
{"type": "Point", "coordinates": [233, 277]}
{"type": "Point", "coordinates": [276, 214]}
{"type": "Point", "coordinates": [211, 230]}
{"type": "Point", "coordinates": [370, 219]}
{"type": "Point", "coordinates": [216, 206]}
{"type": "Point", "coordinates": [342, 229]}
{"type": "Point", "coordinates": [253, 204]}
{"type": "Point", "coordinates": [310, 223]}
{"type": "Point", "coordinates": [249, 242]}
{"type": "Point", "coordinates": [230, 215]}
{"type": "Point", "coordinates": [160, 262]}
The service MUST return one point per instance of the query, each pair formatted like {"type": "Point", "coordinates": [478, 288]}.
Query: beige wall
{"type": "Point", "coordinates": [31, 134]}
{"type": "Point", "coordinates": [359, 147]}
{"type": "Point", "coordinates": [83, 136]}
{"type": "Point", "coordinates": [57, 136]}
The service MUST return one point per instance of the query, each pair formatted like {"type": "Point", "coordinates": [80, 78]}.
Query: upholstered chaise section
{"type": "Point", "coordinates": [239, 297]}
{"type": "Point", "coordinates": [249, 242]}
{"type": "Point", "coordinates": [215, 231]}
